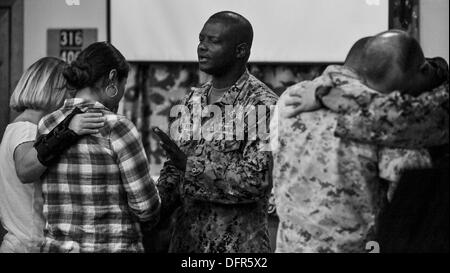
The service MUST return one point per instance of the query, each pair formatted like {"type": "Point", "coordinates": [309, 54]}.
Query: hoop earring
{"type": "Point", "coordinates": [111, 93]}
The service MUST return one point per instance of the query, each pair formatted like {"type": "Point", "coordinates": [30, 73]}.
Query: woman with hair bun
{"type": "Point", "coordinates": [40, 90]}
{"type": "Point", "coordinates": [99, 194]}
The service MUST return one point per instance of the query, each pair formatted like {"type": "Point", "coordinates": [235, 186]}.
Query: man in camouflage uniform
{"type": "Point", "coordinates": [219, 186]}
{"type": "Point", "coordinates": [327, 189]}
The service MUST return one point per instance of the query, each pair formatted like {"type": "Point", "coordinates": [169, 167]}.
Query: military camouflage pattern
{"type": "Point", "coordinates": [419, 121]}
{"type": "Point", "coordinates": [327, 189]}
{"type": "Point", "coordinates": [221, 201]}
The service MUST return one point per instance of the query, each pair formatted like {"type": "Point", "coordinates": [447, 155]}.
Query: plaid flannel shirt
{"type": "Point", "coordinates": [100, 190]}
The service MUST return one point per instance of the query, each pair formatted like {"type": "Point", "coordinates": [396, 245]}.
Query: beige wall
{"type": "Point", "coordinates": [41, 15]}
{"type": "Point", "coordinates": [434, 27]}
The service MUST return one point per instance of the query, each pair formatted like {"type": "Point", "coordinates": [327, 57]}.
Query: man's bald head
{"type": "Point", "coordinates": [356, 53]}
{"type": "Point", "coordinates": [390, 59]}
{"type": "Point", "coordinates": [240, 27]}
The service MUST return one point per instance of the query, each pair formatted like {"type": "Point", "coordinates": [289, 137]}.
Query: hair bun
{"type": "Point", "coordinates": [78, 75]}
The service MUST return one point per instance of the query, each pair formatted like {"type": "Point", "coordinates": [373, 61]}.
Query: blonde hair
{"type": "Point", "coordinates": [41, 87]}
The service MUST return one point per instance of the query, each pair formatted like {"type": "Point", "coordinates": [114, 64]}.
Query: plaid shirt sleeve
{"type": "Point", "coordinates": [142, 194]}
{"type": "Point", "coordinates": [47, 123]}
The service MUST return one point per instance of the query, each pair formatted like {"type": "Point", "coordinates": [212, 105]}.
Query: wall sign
{"type": "Point", "coordinates": [68, 43]}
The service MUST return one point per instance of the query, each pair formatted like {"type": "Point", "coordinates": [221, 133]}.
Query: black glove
{"type": "Point", "coordinates": [49, 147]}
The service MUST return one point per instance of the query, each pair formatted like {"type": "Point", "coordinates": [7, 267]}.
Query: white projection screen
{"type": "Point", "coordinates": [299, 31]}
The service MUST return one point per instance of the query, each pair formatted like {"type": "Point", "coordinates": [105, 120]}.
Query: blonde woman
{"type": "Point", "coordinates": [40, 91]}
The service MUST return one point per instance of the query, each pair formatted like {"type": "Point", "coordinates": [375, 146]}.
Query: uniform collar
{"type": "Point", "coordinates": [230, 96]}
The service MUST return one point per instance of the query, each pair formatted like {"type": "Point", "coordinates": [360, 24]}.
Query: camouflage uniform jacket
{"type": "Point", "coordinates": [221, 199]}
{"type": "Point", "coordinates": [327, 188]}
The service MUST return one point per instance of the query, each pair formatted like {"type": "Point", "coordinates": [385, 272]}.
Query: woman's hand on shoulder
{"type": "Point", "coordinates": [87, 123]}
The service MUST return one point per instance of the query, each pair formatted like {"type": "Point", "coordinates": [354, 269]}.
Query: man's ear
{"type": "Point", "coordinates": [241, 50]}
{"type": "Point", "coordinates": [426, 68]}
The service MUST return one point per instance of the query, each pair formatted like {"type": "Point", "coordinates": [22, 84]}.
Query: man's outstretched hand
{"type": "Point", "coordinates": [175, 154]}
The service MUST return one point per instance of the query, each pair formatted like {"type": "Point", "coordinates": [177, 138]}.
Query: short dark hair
{"type": "Point", "coordinates": [243, 30]}
{"type": "Point", "coordinates": [94, 62]}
